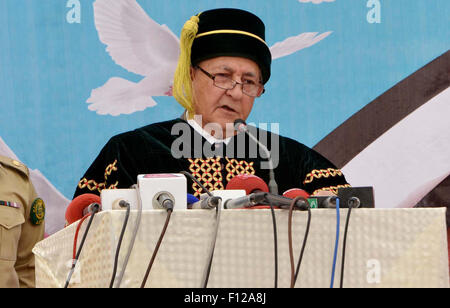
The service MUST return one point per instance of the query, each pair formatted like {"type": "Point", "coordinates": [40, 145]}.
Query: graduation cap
{"type": "Point", "coordinates": [218, 33]}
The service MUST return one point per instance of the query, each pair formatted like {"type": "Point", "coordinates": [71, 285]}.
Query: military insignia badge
{"type": "Point", "coordinates": [37, 213]}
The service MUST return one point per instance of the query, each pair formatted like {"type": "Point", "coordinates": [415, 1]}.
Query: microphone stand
{"type": "Point", "coordinates": [241, 126]}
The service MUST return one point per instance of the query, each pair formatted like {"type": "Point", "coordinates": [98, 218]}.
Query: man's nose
{"type": "Point", "coordinates": [236, 92]}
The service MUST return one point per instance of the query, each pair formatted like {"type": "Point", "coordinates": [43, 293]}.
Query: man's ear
{"type": "Point", "coordinates": [192, 73]}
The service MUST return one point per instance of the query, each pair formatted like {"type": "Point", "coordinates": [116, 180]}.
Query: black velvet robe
{"type": "Point", "coordinates": [172, 146]}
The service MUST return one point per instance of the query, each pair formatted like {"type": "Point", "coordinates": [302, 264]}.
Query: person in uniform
{"type": "Point", "coordinates": [22, 216]}
{"type": "Point", "coordinates": [223, 66]}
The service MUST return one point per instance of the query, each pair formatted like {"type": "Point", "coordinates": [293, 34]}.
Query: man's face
{"type": "Point", "coordinates": [217, 105]}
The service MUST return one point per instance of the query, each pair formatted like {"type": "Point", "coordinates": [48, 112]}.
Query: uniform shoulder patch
{"type": "Point", "coordinates": [37, 213]}
{"type": "Point", "coordinates": [14, 164]}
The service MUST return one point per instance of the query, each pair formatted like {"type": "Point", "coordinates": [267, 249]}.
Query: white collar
{"type": "Point", "coordinates": [205, 134]}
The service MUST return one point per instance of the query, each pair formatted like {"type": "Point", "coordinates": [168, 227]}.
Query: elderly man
{"type": "Point", "coordinates": [223, 66]}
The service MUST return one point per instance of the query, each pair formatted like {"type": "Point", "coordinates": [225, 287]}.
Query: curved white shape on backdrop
{"type": "Point", "coordinates": [409, 160]}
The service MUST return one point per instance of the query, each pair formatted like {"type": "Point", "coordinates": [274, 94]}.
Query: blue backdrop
{"type": "Point", "coordinates": [51, 59]}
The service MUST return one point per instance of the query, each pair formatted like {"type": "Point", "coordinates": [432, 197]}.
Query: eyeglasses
{"type": "Point", "coordinates": [249, 87]}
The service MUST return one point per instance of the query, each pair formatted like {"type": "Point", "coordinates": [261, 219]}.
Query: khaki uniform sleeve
{"type": "Point", "coordinates": [31, 234]}
{"type": "Point", "coordinates": [11, 220]}
{"type": "Point", "coordinates": [18, 235]}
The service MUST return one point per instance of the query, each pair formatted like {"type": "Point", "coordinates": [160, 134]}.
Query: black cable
{"type": "Point", "coordinates": [213, 245]}
{"type": "Point", "coordinates": [158, 244]}
{"type": "Point", "coordinates": [305, 238]}
{"type": "Point", "coordinates": [95, 210]}
{"type": "Point", "coordinates": [218, 212]}
{"type": "Point", "coordinates": [133, 236]}
{"type": "Point", "coordinates": [344, 244]}
{"type": "Point", "coordinates": [294, 273]}
{"type": "Point", "coordinates": [116, 258]}
{"type": "Point", "coordinates": [275, 242]}
{"type": "Point", "coordinates": [197, 181]}
{"type": "Point", "coordinates": [273, 221]}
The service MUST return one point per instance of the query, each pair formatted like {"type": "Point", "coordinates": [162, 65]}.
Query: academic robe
{"type": "Point", "coordinates": [172, 146]}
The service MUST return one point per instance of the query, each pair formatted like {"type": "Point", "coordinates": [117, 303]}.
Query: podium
{"type": "Point", "coordinates": [385, 248]}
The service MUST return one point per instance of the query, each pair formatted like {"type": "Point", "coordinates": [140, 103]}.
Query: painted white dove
{"type": "Point", "coordinates": [142, 46]}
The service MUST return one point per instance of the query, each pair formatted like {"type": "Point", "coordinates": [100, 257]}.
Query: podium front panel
{"type": "Point", "coordinates": [385, 248]}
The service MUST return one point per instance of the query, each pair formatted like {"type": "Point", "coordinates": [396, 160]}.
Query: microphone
{"type": "Point", "coordinates": [210, 202]}
{"type": "Point", "coordinates": [165, 201]}
{"type": "Point", "coordinates": [258, 193]}
{"type": "Point", "coordinates": [314, 201]}
{"type": "Point", "coordinates": [357, 197]}
{"type": "Point", "coordinates": [119, 204]}
{"type": "Point", "coordinates": [80, 206]}
{"type": "Point", "coordinates": [241, 126]}
{"type": "Point", "coordinates": [354, 202]}
{"type": "Point", "coordinates": [249, 182]}
{"type": "Point", "coordinates": [329, 202]}
{"type": "Point", "coordinates": [264, 198]}
{"type": "Point", "coordinates": [246, 201]}
{"type": "Point", "coordinates": [92, 207]}
{"type": "Point", "coordinates": [295, 192]}
{"type": "Point", "coordinates": [162, 191]}
{"type": "Point", "coordinates": [283, 201]}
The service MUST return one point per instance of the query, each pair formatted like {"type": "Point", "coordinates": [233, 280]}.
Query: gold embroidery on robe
{"type": "Point", "coordinates": [317, 174]}
{"type": "Point", "coordinates": [209, 172]}
{"type": "Point", "coordinates": [92, 185]}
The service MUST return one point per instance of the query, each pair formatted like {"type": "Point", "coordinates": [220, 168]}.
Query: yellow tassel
{"type": "Point", "coordinates": [182, 89]}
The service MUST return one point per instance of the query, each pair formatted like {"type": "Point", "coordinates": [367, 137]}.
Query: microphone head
{"type": "Point", "coordinates": [75, 208]}
{"type": "Point", "coordinates": [330, 202]}
{"type": "Point", "coordinates": [295, 192]}
{"type": "Point", "coordinates": [354, 202]}
{"type": "Point", "coordinates": [248, 182]}
{"type": "Point", "coordinates": [240, 125]}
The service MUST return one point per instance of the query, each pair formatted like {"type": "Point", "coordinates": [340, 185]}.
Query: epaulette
{"type": "Point", "coordinates": [14, 164]}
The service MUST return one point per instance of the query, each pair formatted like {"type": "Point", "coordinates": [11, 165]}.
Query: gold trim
{"type": "Point", "coordinates": [201, 169]}
{"type": "Point", "coordinates": [333, 189]}
{"type": "Point", "coordinates": [93, 185]}
{"type": "Point", "coordinates": [235, 167]}
{"type": "Point", "coordinates": [209, 172]}
{"type": "Point", "coordinates": [326, 173]}
{"type": "Point", "coordinates": [231, 32]}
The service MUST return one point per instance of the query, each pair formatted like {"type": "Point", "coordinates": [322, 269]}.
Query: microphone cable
{"type": "Point", "coordinates": [336, 243]}
{"type": "Point", "coordinates": [95, 210]}
{"type": "Point", "coordinates": [216, 230]}
{"type": "Point", "coordinates": [75, 239]}
{"type": "Point", "coordinates": [275, 242]}
{"type": "Point", "coordinates": [291, 253]}
{"type": "Point", "coordinates": [197, 181]}
{"type": "Point", "coordinates": [344, 244]}
{"type": "Point", "coordinates": [169, 210]}
{"type": "Point", "coordinates": [133, 237]}
{"type": "Point", "coordinates": [213, 245]}
{"type": "Point", "coordinates": [122, 203]}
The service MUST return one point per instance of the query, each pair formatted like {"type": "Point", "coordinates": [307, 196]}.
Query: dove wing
{"type": "Point", "coordinates": [134, 40]}
{"type": "Point", "coordinates": [295, 43]}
